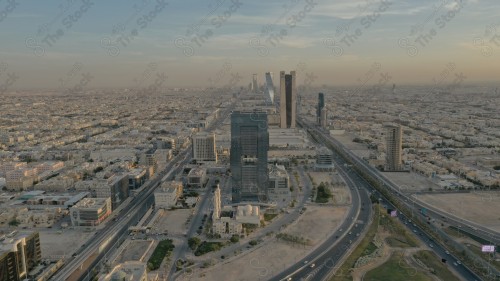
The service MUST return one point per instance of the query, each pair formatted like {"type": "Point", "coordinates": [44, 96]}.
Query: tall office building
{"type": "Point", "coordinates": [19, 254]}
{"type": "Point", "coordinates": [204, 149]}
{"type": "Point", "coordinates": [394, 142]}
{"type": "Point", "coordinates": [269, 88]}
{"type": "Point", "coordinates": [248, 157]}
{"type": "Point", "coordinates": [255, 85]}
{"type": "Point", "coordinates": [288, 103]}
{"type": "Point", "coordinates": [321, 105]}
{"type": "Point", "coordinates": [323, 118]}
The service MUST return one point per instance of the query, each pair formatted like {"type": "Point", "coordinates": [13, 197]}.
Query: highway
{"type": "Point", "coordinates": [466, 273]}
{"type": "Point", "coordinates": [321, 261]}
{"type": "Point", "coordinates": [468, 226]}
{"type": "Point", "coordinates": [327, 257]}
{"type": "Point", "coordinates": [91, 253]}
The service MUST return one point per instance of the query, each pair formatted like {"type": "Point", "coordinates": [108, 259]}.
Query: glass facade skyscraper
{"type": "Point", "coordinates": [248, 157]}
{"type": "Point", "coordinates": [321, 105]}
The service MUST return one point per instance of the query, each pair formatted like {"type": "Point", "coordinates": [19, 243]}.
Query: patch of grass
{"type": "Point", "coordinates": [396, 269]}
{"type": "Point", "coordinates": [293, 239]}
{"type": "Point", "coordinates": [163, 249]}
{"type": "Point", "coordinates": [452, 230]}
{"type": "Point", "coordinates": [435, 264]}
{"type": "Point", "coordinates": [369, 249]}
{"type": "Point", "coordinates": [486, 256]}
{"type": "Point", "coordinates": [342, 274]}
{"type": "Point", "coordinates": [206, 247]}
{"type": "Point", "coordinates": [400, 237]}
{"type": "Point", "coordinates": [269, 217]}
{"type": "Point", "coordinates": [397, 242]}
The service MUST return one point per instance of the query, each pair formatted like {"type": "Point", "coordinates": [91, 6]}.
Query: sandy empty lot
{"type": "Point", "coordinates": [172, 221]}
{"type": "Point", "coordinates": [54, 244]}
{"type": "Point", "coordinates": [273, 256]}
{"type": "Point", "coordinates": [479, 207]}
{"type": "Point", "coordinates": [133, 251]}
{"type": "Point", "coordinates": [359, 149]}
{"type": "Point", "coordinates": [411, 181]}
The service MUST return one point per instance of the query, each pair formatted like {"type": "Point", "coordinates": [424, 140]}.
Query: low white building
{"type": "Point", "coordinates": [248, 214]}
{"type": "Point", "coordinates": [278, 189]}
{"type": "Point", "coordinates": [225, 226]}
{"type": "Point", "coordinates": [167, 194]}
{"type": "Point", "coordinates": [197, 177]}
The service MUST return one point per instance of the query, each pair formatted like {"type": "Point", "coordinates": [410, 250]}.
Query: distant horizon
{"type": "Point", "coordinates": [492, 84]}
{"type": "Point", "coordinates": [119, 44]}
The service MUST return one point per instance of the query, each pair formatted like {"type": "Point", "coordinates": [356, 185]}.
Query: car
{"type": "Point", "coordinates": [447, 252]}
{"type": "Point", "coordinates": [455, 264]}
{"type": "Point", "coordinates": [350, 233]}
{"type": "Point", "coordinates": [459, 262]}
{"type": "Point", "coordinates": [289, 279]}
{"type": "Point", "coordinates": [357, 234]}
{"type": "Point", "coordinates": [312, 265]}
{"type": "Point", "coordinates": [430, 245]}
{"type": "Point", "coordinates": [306, 262]}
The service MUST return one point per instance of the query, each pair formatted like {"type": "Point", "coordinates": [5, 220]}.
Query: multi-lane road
{"type": "Point", "coordinates": [91, 254]}
{"type": "Point", "coordinates": [425, 237]}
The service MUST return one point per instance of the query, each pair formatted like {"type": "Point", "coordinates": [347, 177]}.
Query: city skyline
{"type": "Point", "coordinates": [337, 42]}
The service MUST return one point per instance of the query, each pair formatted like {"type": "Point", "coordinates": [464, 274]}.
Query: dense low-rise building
{"type": "Point", "coordinates": [167, 194]}
{"type": "Point", "coordinates": [197, 177]}
{"type": "Point", "coordinates": [90, 211]}
{"type": "Point", "coordinates": [278, 183]}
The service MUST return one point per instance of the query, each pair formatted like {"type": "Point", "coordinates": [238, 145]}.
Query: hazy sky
{"type": "Point", "coordinates": [188, 43]}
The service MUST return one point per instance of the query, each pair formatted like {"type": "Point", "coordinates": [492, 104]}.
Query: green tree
{"type": "Point", "coordinates": [194, 242]}
{"type": "Point", "coordinates": [14, 222]}
{"type": "Point", "coordinates": [235, 238]}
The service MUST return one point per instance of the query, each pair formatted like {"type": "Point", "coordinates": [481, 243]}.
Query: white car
{"type": "Point", "coordinates": [312, 265]}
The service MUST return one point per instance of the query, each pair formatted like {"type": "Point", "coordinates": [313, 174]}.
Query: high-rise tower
{"type": "Point", "coordinates": [321, 105]}
{"type": "Point", "coordinates": [288, 103]}
{"type": "Point", "coordinates": [248, 157]}
{"type": "Point", "coordinates": [255, 85]}
{"type": "Point", "coordinates": [394, 141]}
{"type": "Point", "coordinates": [269, 88]}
